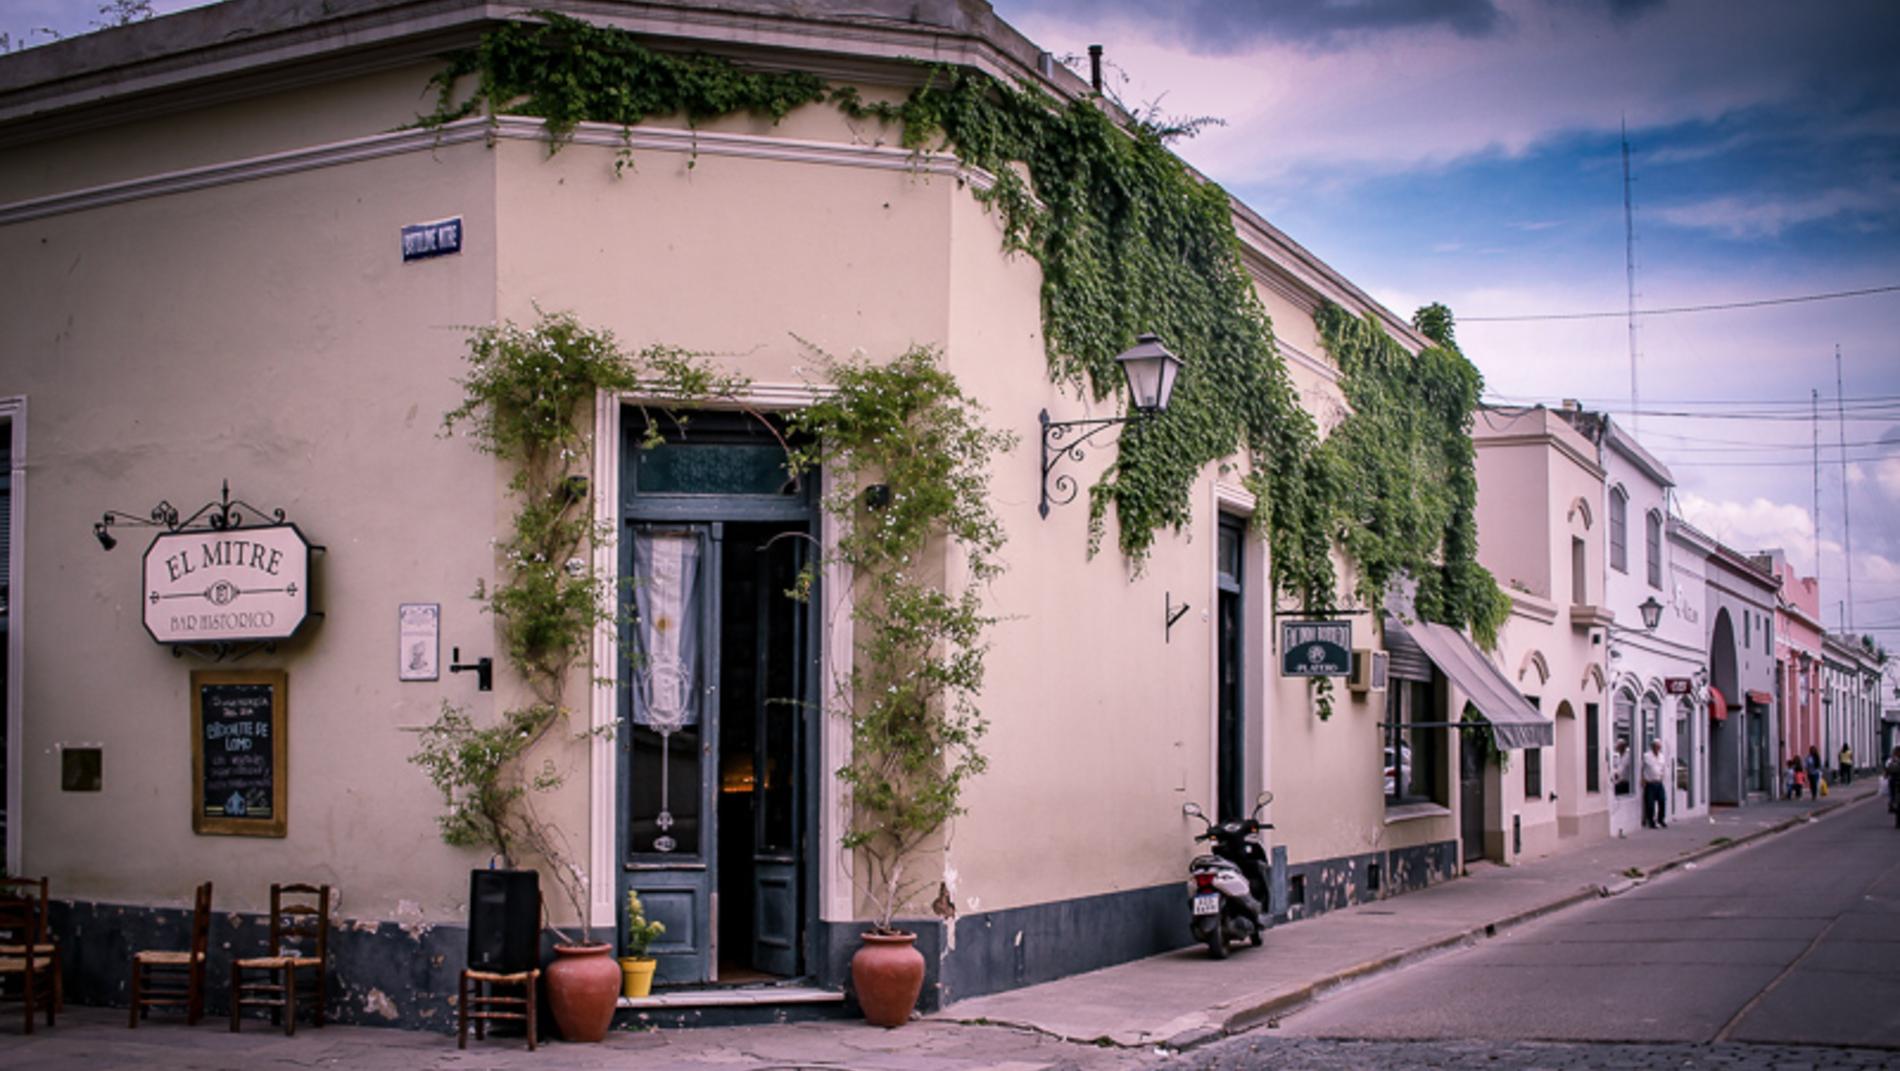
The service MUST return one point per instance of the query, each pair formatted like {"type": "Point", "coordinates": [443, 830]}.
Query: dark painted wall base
{"type": "Point", "coordinates": [386, 974]}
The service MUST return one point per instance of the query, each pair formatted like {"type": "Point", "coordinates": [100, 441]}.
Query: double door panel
{"type": "Point", "coordinates": [716, 700]}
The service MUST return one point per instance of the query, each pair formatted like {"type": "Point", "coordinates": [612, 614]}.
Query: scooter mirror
{"type": "Point", "coordinates": [1192, 810]}
{"type": "Point", "coordinates": [1263, 799]}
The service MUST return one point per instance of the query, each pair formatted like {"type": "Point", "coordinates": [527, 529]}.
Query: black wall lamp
{"type": "Point", "coordinates": [1652, 613]}
{"type": "Point", "coordinates": [1151, 371]}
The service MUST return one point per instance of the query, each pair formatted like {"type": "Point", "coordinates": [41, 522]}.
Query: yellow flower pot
{"type": "Point", "coordinates": [636, 975]}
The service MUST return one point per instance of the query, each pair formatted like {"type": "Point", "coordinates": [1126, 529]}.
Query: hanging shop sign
{"type": "Point", "coordinates": [224, 585]}
{"type": "Point", "coordinates": [1315, 648]}
{"type": "Point", "coordinates": [1678, 685]}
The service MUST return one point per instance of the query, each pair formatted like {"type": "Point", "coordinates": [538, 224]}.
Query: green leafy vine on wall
{"type": "Point", "coordinates": [529, 400]}
{"type": "Point", "coordinates": [1129, 240]}
{"type": "Point", "coordinates": [918, 666]}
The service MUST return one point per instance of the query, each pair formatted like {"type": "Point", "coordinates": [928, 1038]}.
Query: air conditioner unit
{"type": "Point", "coordinates": [1368, 670]}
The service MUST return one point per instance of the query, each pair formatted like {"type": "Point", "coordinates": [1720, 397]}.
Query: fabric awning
{"type": "Point", "coordinates": [1718, 706]}
{"type": "Point", "coordinates": [1761, 697]}
{"type": "Point", "coordinates": [1514, 722]}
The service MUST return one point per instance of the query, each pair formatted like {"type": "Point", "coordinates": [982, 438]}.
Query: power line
{"type": "Point", "coordinates": [1856, 402]}
{"type": "Point", "coordinates": [1680, 309]}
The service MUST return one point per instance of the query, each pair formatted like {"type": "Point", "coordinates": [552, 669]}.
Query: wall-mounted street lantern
{"type": "Point", "coordinates": [1150, 370]}
{"type": "Point", "coordinates": [1652, 613]}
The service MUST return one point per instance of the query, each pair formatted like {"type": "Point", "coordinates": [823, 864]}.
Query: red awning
{"type": "Point", "coordinates": [1718, 706]}
{"type": "Point", "coordinates": [1761, 697]}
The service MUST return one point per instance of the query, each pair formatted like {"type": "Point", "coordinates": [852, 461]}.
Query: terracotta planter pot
{"type": "Point", "coordinates": [583, 984]}
{"type": "Point", "coordinates": [888, 974]}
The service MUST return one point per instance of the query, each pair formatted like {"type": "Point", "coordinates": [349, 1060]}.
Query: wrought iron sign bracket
{"type": "Point", "coordinates": [1065, 439]}
{"type": "Point", "coordinates": [221, 515]}
{"type": "Point", "coordinates": [1173, 613]}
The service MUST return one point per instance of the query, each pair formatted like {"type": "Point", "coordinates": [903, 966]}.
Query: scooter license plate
{"type": "Point", "coordinates": [1207, 903]}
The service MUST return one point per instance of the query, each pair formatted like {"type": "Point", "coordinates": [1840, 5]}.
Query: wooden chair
{"type": "Point", "coordinates": [304, 925]}
{"type": "Point", "coordinates": [164, 978]}
{"type": "Point", "coordinates": [481, 1003]}
{"type": "Point", "coordinates": [43, 943]}
{"type": "Point", "coordinates": [25, 953]}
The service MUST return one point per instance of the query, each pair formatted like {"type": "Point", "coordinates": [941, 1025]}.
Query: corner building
{"type": "Point", "coordinates": [202, 224]}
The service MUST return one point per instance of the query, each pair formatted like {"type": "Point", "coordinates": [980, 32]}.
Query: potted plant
{"type": "Point", "coordinates": [528, 400]}
{"type": "Point", "coordinates": [636, 967]}
{"type": "Point", "coordinates": [909, 697]}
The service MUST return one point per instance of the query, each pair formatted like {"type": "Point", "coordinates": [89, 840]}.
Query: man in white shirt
{"type": "Point", "coordinates": [1653, 771]}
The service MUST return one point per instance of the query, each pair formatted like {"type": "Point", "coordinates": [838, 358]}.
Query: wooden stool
{"type": "Point", "coordinates": [480, 1003]}
{"type": "Point", "coordinates": [308, 927]}
{"type": "Point", "coordinates": [165, 967]}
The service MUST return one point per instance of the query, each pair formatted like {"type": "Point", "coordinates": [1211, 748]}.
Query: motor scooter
{"type": "Point", "coordinates": [1228, 886]}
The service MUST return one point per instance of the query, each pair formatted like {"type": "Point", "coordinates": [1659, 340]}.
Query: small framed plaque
{"type": "Point", "coordinates": [419, 632]}
{"type": "Point", "coordinates": [240, 769]}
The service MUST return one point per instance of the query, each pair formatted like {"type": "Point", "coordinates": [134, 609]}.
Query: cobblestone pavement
{"type": "Point", "coordinates": [1252, 1051]}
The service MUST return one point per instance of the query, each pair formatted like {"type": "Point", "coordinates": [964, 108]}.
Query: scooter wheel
{"type": "Point", "coordinates": [1217, 945]}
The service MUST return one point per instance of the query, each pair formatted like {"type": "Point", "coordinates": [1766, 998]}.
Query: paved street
{"type": "Point", "coordinates": [1795, 940]}
{"type": "Point", "coordinates": [1756, 925]}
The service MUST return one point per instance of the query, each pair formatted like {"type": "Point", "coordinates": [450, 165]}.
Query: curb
{"type": "Point", "coordinates": [1278, 1005]}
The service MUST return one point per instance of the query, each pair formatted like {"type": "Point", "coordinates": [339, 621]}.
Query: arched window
{"type": "Point", "coordinates": [1623, 742]}
{"type": "Point", "coordinates": [1619, 530]}
{"type": "Point", "coordinates": [1653, 545]}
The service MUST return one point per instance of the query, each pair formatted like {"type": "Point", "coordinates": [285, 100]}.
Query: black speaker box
{"type": "Point", "coordinates": [504, 920]}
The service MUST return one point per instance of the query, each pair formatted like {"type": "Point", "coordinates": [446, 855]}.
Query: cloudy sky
{"type": "Point", "coordinates": [1469, 151]}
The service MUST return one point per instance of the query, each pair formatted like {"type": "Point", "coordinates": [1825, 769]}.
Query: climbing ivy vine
{"type": "Point", "coordinates": [1129, 240]}
{"type": "Point", "coordinates": [529, 400]}
{"type": "Point", "coordinates": [905, 426]}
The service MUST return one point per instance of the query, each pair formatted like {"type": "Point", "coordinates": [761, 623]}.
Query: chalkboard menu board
{"type": "Point", "coordinates": [239, 773]}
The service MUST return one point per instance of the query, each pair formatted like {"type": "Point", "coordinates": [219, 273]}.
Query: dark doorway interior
{"type": "Point", "coordinates": [1471, 766]}
{"type": "Point", "coordinates": [1230, 747]}
{"type": "Point", "coordinates": [761, 707]}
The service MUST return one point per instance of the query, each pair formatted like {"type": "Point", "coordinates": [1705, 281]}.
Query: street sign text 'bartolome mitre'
{"type": "Point", "coordinates": [221, 585]}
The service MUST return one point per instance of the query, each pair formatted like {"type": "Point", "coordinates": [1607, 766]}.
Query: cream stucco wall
{"type": "Point", "coordinates": [264, 332]}
{"type": "Point", "coordinates": [1539, 490]}
{"type": "Point", "coordinates": [262, 327]}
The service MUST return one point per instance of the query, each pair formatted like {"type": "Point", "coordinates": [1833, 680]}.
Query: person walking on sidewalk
{"type": "Point", "coordinates": [1653, 772]}
{"type": "Point", "coordinates": [1797, 776]}
{"type": "Point", "coordinates": [1847, 764]}
{"type": "Point", "coordinates": [1816, 777]}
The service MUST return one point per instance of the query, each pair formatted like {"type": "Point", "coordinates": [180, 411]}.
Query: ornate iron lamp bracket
{"type": "Point", "coordinates": [1064, 439]}
{"type": "Point", "coordinates": [222, 514]}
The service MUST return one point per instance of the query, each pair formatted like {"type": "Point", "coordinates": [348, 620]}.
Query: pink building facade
{"type": "Point", "coordinates": [1798, 663]}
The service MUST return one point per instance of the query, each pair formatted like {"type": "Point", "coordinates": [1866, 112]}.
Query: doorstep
{"type": "Point", "coordinates": [732, 998]}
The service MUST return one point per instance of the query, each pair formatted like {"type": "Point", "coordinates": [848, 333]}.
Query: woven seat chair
{"type": "Point", "coordinates": [164, 978]}
{"type": "Point", "coordinates": [299, 941]}
{"type": "Point", "coordinates": [21, 939]}
{"type": "Point", "coordinates": [25, 952]}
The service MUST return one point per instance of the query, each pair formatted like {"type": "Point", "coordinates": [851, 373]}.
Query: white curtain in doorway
{"type": "Point", "coordinates": [666, 634]}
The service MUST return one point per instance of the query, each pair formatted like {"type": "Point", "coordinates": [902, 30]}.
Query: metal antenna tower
{"type": "Point", "coordinates": [1814, 422]}
{"type": "Point", "coordinates": [1847, 518]}
{"type": "Point", "coordinates": [1629, 265]}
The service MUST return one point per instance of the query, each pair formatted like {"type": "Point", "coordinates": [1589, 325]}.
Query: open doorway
{"type": "Point", "coordinates": [761, 702]}
{"type": "Point", "coordinates": [719, 711]}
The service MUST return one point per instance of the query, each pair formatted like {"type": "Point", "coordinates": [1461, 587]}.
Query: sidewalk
{"type": "Point", "coordinates": [1184, 998]}
{"type": "Point", "coordinates": [1108, 1020]}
